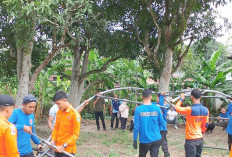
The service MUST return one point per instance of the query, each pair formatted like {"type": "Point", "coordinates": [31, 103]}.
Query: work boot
{"type": "Point", "coordinates": [166, 154]}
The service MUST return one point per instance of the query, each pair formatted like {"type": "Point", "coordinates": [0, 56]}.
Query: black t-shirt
{"type": "Point", "coordinates": [99, 104]}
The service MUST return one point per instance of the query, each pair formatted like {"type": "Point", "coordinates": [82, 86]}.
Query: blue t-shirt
{"type": "Point", "coordinates": [226, 115]}
{"type": "Point", "coordinates": [19, 119]}
{"type": "Point", "coordinates": [147, 121]}
{"type": "Point", "coordinates": [229, 126]}
{"type": "Point", "coordinates": [115, 105]}
{"type": "Point", "coordinates": [163, 127]}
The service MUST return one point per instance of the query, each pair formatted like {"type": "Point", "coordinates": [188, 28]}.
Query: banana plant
{"type": "Point", "coordinates": [210, 75]}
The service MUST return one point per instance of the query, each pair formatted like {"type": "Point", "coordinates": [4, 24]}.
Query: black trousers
{"type": "Point", "coordinates": [113, 116]}
{"type": "Point", "coordinates": [97, 115]}
{"type": "Point", "coordinates": [123, 123]}
{"type": "Point", "coordinates": [61, 155]}
{"type": "Point", "coordinates": [229, 141]}
{"type": "Point", "coordinates": [28, 155]}
{"type": "Point", "coordinates": [193, 148]}
{"type": "Point", "coordinates": [164, 143]}
{"type": "Point", "coordinates": [153, 147]}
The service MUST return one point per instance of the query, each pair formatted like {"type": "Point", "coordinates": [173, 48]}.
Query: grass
{"type": "Point", "coordinates": [115, 144]}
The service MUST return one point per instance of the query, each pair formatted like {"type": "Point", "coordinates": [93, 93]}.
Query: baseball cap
{"type": "Point", "coordinates": [6, 100]}
{"type": "Point", "coordinates": [29, 98]}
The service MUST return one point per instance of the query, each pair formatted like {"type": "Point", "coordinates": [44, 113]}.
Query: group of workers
{"type": "Point", "coordinates": [150, 124]}
{"type": "Point", "coordinates": [118, 111]}
{"type": "Point", "coordinates": [17, 127]}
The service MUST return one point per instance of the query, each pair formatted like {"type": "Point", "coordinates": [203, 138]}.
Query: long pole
{"type": "Point", "coordinates": [215, 147]}
{"type": "Point", "coordinates": [125, 100]}
{"type": "Point", "coordinates": [108, 91]}
{"type": "Point", "coordinates": [51, 145]}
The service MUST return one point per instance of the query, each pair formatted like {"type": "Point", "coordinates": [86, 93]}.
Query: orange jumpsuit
{"type": "Point", "coordinates": [8, 139]}
{"type": "Point", "coordinates": [197, 117]}
{"type": "Point", "coordinates": [67, 129]}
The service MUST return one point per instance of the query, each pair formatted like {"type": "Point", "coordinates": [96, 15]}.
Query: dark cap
{"type": "Point", "coordinates": [6, 100]}
{"type": "Point", "coordinates": [29, 98]}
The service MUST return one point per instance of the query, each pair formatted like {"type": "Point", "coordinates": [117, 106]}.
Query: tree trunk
{"type": "Point", "coordinates": [166, 73]}
{"type": "Point", "coordinates": [80, 93]}
{"type": "Point", "coordinates": [24, 72]}
{"type": "Point", "coordinates": [72, 98]}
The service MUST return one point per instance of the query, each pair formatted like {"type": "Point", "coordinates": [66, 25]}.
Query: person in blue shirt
{"type": "Point", "coordinates": [114, 112]}
{"type": "Point", "coordinates": [24, 120]}
{"type": "Point", "coordinates": [222, 122]}
{"type": "Point", "coordinates": [163, 128]}
{"type": "Point", "coordinates": [229, 126]}
{"type": "Point", "coordinates": [147, 121]}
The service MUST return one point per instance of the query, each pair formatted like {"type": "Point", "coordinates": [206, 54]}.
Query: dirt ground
{"type": "Point", "coordinates": [114, 143]}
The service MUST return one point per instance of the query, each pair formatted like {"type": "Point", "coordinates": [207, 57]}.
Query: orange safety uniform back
{"type": "Point", "coordinates": [231, 151]}
{"type": "Point", "coordinates": [8, 139]}
{"type": "Point", "coordinates": [197, 117]}
{"type": "Point", "coordinates": [67, 129]}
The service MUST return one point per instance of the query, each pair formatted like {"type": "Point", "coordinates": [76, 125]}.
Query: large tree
{"type": "Point", "coordinates": [162, 28]}
{"type": "Point", "coordinates": [28, 23]}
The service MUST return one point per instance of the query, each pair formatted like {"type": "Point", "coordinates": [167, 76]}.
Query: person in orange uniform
{"type": "Point", "coordinates": [231, 151]}
{"type": "Point", "coordinates": [197, 117]}
{"type": "Point", "coordinates": [67, 127]}
{"type": "Point", "coordinates": [8, 132]}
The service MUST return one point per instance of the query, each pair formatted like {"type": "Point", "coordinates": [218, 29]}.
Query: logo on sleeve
{"type": "Point", "coordinates": [78, 118]}
{"type": "Point", "coordinates": [12, 130]}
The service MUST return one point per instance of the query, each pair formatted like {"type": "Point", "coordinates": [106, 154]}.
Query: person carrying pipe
{"type": "Point", "coordinates": [163, 128]}
{"type": "Point", "coordinates": [197, 117]}
{"type": "Point", "coordinates": [147, 121]}
{"type": "Point", "coordinates": [67, 126]}
{"type": "Point", "coordinates": [24, 119]}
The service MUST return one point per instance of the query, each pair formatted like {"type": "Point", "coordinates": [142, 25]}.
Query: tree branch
{"type": "Point", "coordinates": [159, 35]}
{"type": "Point", "coordinates": [180, 41]}
{"type": "Point", "coordinates": [55, 49]}
{"type": "Point", "coordinates": [181, 57]}
{"type": "Point", "coordinates": [139, 36]}
{"type": "Point", "coordinates": [146, 44]}
{"type": "Point", "coordinates": [104, 67]}
{"type": "Point", "coordinates": [90, 84]}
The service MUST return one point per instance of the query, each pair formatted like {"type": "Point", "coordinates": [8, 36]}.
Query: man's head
{"type": "Point", "coordinates": [196, 94]}
{"type": "Point", "coordinates": [6, 105]}
{"type": "Point", "coordinates": [147, 94]}
{"type": "Point", "coordinates": [29, 104]}
{"type": "Point", "coordinates": [223, 110]}
{"type": "Point", "coordinates": [60, 99]}
{"type": "Point", "coordinates": [115, 96]}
